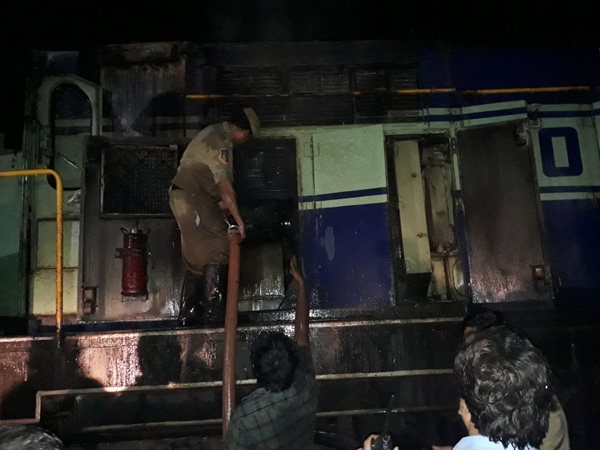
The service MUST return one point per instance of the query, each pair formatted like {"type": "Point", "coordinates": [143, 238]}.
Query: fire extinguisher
{"type": "Point", "coordinates": [134, 276]}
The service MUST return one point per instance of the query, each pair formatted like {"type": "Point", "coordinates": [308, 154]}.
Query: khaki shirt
{"type": "Point", "coordinates": [207, 160]}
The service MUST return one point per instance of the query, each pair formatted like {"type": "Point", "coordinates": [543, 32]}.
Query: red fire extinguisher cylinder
{"type": "Point", "coordinates": [134, 276]}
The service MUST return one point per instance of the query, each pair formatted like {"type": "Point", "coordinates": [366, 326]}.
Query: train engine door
{"type": "Point", "coordinates": [500, 205]}
{"type": "Point", "coordinates": [66, 110]}
{"type": "Point", "coordinates": [346, 237]}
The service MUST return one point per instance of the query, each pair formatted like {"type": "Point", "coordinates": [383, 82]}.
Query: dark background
{"type": "Point", "coordinates": [75, 23]}
{"type": "Point", "coordinates": [83, 24]}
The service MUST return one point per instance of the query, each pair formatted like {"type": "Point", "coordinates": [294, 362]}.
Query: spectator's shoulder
{"type": "Point", "coordinates": [249, 406]}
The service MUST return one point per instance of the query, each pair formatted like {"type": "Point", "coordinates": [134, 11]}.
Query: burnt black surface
{"type": "Point", "coordinates": [14, 326]}
{"type": "Point", "coordinates": [266, 188]}
{"type": "Point", "coordinates": [305, 83]}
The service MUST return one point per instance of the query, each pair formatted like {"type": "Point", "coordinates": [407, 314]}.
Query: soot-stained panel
{"type": "Point", "coordinates": [266, 187]}
{"type": "Point", "coordinates": [502, 223]}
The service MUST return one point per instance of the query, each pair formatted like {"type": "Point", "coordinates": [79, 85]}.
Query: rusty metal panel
{"type": "Point", "coordinates": [502, 224]}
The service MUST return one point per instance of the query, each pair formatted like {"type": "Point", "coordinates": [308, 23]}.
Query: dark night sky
{"type": "Point", "coordinates": [78, 23]}
{"type": "Point", "coordinates": [83, 24]}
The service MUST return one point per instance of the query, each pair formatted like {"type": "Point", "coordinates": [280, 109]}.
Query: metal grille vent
{"type": "Point", "coordinates": [330, 109]}
{"type": "Point", "coordinates": [369, 80]}
{"type": "Point", "coordinates": [250, 82]}
{"type": "Point", "coordinates": [320, 82]}
{"type": "Point", "coordinates": [378, 102]}
{"type": "Point", "coordinates": [401, 78]}
{"type": "Point", "coordinates": [271, 110]}
{"type": "Point", "coordinates": [387, 107]}
{"type": "Point", "coordinates": [320, 95]}
{"type": "Point", "coordinates": [136, 180]}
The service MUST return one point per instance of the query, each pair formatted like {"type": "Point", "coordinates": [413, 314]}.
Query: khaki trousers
{"type": "Point", "coordinates": [203, 229]}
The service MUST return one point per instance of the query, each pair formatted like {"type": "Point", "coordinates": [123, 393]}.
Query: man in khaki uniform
{"type": "Point", "coordinates": [201, 196]}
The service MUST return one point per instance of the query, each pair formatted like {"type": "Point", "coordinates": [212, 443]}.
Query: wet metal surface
{"type": "Point", "coordinates": [503, 229]}
{"type": "Point", "coordinates": [261, 276]}
{"type": "Point", "coordinates": [191, 356]}
{"type": "Point", "coordinates": [115, 379]}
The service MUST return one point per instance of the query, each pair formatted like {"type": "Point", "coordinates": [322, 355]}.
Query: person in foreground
{"type": "Point", "coordinates": [557, 437]}
{"type": "Point", "coordinates": [505, 389]}
{"type": "Point", "coordinates": [281, 413]}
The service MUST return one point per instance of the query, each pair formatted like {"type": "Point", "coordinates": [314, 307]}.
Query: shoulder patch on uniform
{"type": "Point", "coordinates": [224, 156]}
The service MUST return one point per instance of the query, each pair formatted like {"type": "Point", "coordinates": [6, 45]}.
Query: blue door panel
{"type": "Point", "coordinates": [353, 250]}
{"type": "Point", "coordinates": [573, 236]}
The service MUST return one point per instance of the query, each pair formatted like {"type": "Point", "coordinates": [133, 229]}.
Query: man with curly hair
{"type": "Point", "coordinates": [281, 413]}
{"type": "Point", "coordinates": [506, 391]}
{"type": "Point", "coordinates": [557, 438]}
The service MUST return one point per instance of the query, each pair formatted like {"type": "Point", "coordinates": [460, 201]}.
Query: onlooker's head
{"type": "Point", "coordinates": [246, 125]}
{"type": "Point", "coordinates": [505, 383]}
{"type": "Point", "coordinates": [481, 318]}
{"type": "Point", "coordinates": [19, 437]}
{"type": "Point", "coordinates": [274, 358]}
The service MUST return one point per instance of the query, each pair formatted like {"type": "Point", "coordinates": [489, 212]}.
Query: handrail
{"type": "Point", "coordinates": [59, 237]}
{"type": "Point", "coordinates": [424, 91]}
